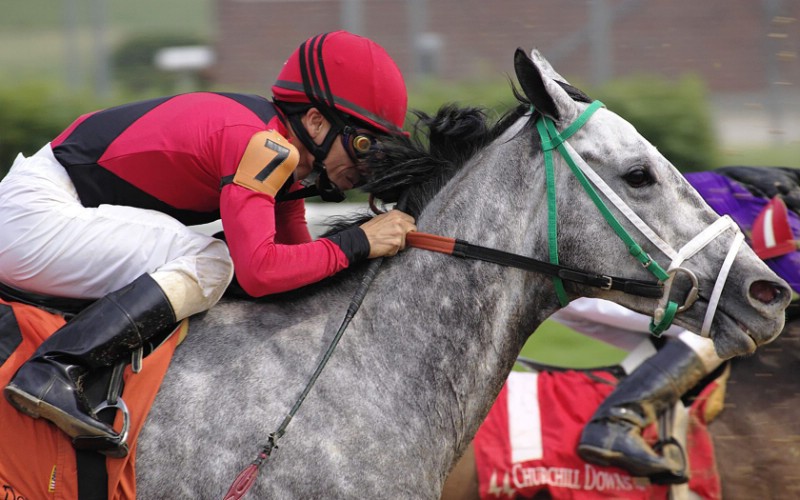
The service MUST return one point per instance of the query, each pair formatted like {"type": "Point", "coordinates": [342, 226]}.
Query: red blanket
{"type": "Point", "coordinates": [527, 443]}
{"type": "Point", "coordinates": [36, 459]}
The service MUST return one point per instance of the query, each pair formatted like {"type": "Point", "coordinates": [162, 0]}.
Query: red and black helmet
{"type": "Point", "coordinates": [340, 72]}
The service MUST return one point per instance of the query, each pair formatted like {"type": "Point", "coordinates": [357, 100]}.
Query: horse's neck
{"type": "Point", "coordinates": [463, 323]}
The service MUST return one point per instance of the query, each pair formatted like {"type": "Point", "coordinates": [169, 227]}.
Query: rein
{"type": "Point", "coordinates": [465, 250]}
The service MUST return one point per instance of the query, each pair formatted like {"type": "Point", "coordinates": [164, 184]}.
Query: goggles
{"type": "Point", "coordinates": [357, 142]}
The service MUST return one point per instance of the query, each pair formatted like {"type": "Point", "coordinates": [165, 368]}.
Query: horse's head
{"type": "Point", "coordinates": [740, 302]}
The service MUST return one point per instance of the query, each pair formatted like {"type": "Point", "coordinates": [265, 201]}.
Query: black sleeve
{"type": "Point", "coordinates": [353, 242]}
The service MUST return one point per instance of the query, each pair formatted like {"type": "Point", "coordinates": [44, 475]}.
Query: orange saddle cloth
{"type": "Point", "coordinates": [37, 460]}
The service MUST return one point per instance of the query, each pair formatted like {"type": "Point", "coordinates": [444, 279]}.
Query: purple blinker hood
{"type": "Point", "coordinates": [726, 196]}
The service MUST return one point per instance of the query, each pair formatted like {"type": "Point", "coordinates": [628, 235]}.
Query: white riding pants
{"type": "Point", "coordinates": [628, 330]}
{"type": "Point", "coordinates": [51, 244]}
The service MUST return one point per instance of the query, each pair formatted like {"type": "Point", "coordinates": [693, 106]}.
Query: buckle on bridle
{"type": "Point", "coordinates": [691, 297]}
{"type": "Point", "coordinates": [694, 292]}
{"type": "Point", "coordinates": [609, 283]}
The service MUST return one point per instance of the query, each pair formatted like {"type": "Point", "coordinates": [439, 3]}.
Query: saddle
{"type": "Point", "coordinates": [37, 460]}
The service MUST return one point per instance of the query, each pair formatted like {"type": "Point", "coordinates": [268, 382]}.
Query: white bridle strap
{"type": "Point", "coordinates": [641, 225]}
{"type": "Point", "coordinates": [705, 237]}
{"type": "Point", "coordinates": [713, 301]}
{"type": "Point", "coordinates": [694, 245]}
{"type": "Point", "coordinates": [688, 250]}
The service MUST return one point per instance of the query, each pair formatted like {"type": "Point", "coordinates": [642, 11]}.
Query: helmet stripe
{"type": "Point", "coordinates": [307, 71]}
{"type": "Point", "coordinates": [312, 72]}
{"type": "Point", "coordinates": [289, 85]}
{"type": "Point", "coordinates": [322, 74]}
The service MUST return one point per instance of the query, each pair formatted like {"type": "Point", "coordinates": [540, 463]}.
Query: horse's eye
{"type": "Point", "coordinates": [638, 177]}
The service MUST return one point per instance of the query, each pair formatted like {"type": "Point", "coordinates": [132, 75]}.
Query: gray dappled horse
{"type": "Point", "coordinates": [426, 355]}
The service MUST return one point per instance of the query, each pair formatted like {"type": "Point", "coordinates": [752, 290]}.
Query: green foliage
{"type": "Point", "coordinates": [673, 115]}
{"type": "Point", "coordinates": [33, 114]}
{"type": "Point", "coordinates": [135, 70]}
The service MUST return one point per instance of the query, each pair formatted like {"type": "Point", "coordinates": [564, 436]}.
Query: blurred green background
{"type": "Point", "coordinates": [48, 54]}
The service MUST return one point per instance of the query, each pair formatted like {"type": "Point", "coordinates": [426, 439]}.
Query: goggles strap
{"type": "Point", "coordinates": [326, 189]}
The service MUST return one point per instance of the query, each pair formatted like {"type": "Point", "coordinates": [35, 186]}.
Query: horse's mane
{"type": "Point", "coordinates": [439, 146]}
{"type": "Point", "coordinates": [420, 165]}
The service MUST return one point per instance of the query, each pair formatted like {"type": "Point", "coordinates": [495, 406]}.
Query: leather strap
{"type": "Point", "coordinates": [50, 302]}
{"type": "Point", "coordinates": [463, 249]}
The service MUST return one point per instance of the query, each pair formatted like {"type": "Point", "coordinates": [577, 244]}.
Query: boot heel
{"type": "Point", "coordinates": [22, 401]}
{"type": "Point", "coordinates": [38, 408]}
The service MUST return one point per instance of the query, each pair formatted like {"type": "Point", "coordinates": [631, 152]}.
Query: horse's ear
{"type": "Point", "coordinates": [532, 82]}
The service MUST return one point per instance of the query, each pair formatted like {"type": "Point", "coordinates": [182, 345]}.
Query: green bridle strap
{"type": "Point", "coordinates": [669, 314]}
{"type": "Point", "coordinates": [552, 215]}
{"type": "Point", "coordinates": [552, 139]}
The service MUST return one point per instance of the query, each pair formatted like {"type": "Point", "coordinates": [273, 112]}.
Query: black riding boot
{"type": "Point", "coordinates": [614, 435]}
{"type": "Point", "coordinates": [50, 384]}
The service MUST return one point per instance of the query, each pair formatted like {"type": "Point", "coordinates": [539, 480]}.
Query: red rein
{"type": "Point", "coordinates": [244, 481]}
{"type": "Point", "coordinates": [430, 242]}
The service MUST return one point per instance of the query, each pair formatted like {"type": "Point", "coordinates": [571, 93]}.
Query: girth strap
{"type": "Point", "coordinates": [92, 475]}
{"type": "Point", "coordinates": [463, 249]}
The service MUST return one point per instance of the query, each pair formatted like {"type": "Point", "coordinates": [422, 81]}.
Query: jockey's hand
{"type": "Point", "coordinates": [387, 233]}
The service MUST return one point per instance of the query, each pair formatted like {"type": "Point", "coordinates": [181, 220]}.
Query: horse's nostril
{"type": "Point", "coordinates": [765, 292]}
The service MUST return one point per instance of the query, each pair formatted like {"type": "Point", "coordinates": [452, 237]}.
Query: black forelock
{"type": "Point", "coordinates": [439, 146]}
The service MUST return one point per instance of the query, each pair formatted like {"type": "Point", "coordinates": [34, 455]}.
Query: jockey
{"type": "Point", "coordinates": [614, 434]}
{"type": "Point", "coordinates": [101, 212]}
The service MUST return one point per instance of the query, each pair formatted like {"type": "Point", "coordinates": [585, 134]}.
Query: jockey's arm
{"type": "Point", "coordinates": [262, 265]}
